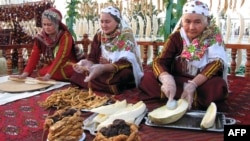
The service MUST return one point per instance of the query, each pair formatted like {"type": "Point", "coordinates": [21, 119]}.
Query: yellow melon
{"type": "Point", "coordinates": [209, 117]}
{"type": "Point", "coordinates": [163, 115]}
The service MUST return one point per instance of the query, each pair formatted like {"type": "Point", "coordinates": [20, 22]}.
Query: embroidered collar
{"type": "Point", "coordinates": [115, 41]}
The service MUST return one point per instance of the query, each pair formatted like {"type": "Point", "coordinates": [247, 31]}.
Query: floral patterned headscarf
{"type": "Point", "coordinates": [197, 48]}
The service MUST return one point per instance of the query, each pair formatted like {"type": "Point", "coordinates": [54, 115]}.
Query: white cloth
{"type": "Point", "coordinates": [6, 97]}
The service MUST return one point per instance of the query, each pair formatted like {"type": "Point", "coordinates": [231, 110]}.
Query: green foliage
{"type": "Point", "coordinates": [240, 71]}
{"type": "Point", "coordinates": [72, 15]}
{"type": "Point", "coordinates": [173, 14]}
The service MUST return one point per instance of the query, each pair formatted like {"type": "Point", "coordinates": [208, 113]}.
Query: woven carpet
{"type": "Point", "coordinates": [237, 106]}
{"type": "Point", "coordinates": [23, 119]}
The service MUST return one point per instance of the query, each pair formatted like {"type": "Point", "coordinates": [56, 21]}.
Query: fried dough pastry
{"type": "Point", "coordinates": [118, 131]}
{"type": "Point", "coordinates": [75, 98]}
{"type": "Point", "coordinates": [64, 125]}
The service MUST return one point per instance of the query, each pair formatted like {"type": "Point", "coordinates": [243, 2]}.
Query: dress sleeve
{"type": "Point", "coordinates": [121, 64]}
{"type": "Point", "coordinates": [172, 48]}
{"type": "Point", "coordinates": [33, 59]}
{"type": "Point", "coordinates": [212, 68]}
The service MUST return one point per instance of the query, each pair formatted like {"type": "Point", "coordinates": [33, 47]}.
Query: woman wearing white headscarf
{"type": "Point", "coordinates": [193, 62]}
{"type": "Point", "coordinates": [114, 61]}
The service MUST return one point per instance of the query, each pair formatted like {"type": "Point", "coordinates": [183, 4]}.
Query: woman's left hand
{"type": "Point", "coordinates": [188, 93]}
{"type": "Point", "coordinates": [94, 71]}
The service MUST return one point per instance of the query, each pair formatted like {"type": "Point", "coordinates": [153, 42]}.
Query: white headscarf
{"type": "Point", "coordinates": [196, 7]}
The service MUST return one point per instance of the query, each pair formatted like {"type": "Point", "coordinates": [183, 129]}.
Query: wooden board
{"type": "Point", "coordinates": [21, 86]}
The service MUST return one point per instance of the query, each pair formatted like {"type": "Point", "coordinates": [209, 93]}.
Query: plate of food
{"type": "Point", "coordinates": [105, 115]}
{"type": "Point", "coordinates": [75, 98]}
{"type": "Point", "coordinates": [65, 124]}
{"type": "Point", "coordinates": [81, 139]}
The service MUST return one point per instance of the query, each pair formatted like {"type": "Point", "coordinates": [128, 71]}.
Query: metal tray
{"type": "Point", "coordinates": [192, 120]}
{"type": "Point", "coordinates": [91, 126]}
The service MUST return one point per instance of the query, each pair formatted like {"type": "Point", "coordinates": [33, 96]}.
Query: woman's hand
{"type": "Point", "coordinates": [82, 65]}
{"type": "Point", "coordinates": [168, 85]}
{"type": "Point", "coordinates": [188, 93]}
{"type": "Point", "coordinates": [85, 62]}
{"type": "Point", "coordinates": [22, 76]}
{"type": "Point", "coordinates": [79, 68]}
{"type": "Point", "coordinates": [104, 60]}
{"type": "Point", "coordinates": [44, 78]}
{"type": "Point", "coordinates": [94, 71]}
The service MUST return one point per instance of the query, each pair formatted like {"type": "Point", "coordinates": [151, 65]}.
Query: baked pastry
{"type": "Point", "coordinates": [119, 130]}
{"type": "Point", "coordinates": [64, 125]}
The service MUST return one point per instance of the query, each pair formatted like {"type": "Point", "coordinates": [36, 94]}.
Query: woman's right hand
{"type": "Point", "coordinates": [22, 76]}
{"type": "Point", "coordinates": [168, 85]}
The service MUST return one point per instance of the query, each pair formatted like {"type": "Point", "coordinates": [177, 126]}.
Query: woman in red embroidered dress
{"type": "Point", "coordinates": [53, 50]}
{"type": "Point", "coordinates": [114, 61]}
{"type": "Point", "coordinates": [193, 62]}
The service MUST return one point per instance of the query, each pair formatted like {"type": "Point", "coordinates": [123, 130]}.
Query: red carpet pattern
{"type": "Point", "coordinates": [23, 119]}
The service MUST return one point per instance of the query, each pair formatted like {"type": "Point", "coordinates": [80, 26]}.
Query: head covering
{"type": "Point", "coordinates": [53, 15]}
{"type": "Point", "coordinates": [196, 7]}
{"type": "Point", "coordinates": [113, 11]}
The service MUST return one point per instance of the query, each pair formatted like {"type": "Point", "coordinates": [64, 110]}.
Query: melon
{"type": "Point", "coordinates": [100, 118]}
{"type": "Point", "coordinates": [171, 104]}
{"type": "Point", "coordinates": [110, 109]}
{"type": "Point", "coordinates": [163, 115]}
{"type": "Point", "coordinates": [128, 114]}
{"type": "Point", "coordinates": [209, 117]}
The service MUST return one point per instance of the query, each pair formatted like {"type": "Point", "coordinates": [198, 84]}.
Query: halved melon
{"type": "Point", "coordinates": [163, 115]}
{"type": "Point", "coordinates": [209, 117]}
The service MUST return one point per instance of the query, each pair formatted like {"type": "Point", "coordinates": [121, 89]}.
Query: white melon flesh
{"type": "Point", "coordinates": [163, 115]}
{"type": "Point", "coordinates": [100, 118]}
{"type": "Point", "coordinates": [110, 109]}
{"type": "Point", "coordinates": [128, 114]}
{"type": "Point", "coordinates": [209, 117]}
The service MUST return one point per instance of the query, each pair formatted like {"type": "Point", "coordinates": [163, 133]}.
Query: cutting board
{"type": "Point", "coordinates": [18, 86]}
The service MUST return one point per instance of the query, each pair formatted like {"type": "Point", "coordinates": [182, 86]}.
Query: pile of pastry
{"type": "Point", "coordinates": [64, 125]}
{"type": "Point", "coordinates": [75, 98]}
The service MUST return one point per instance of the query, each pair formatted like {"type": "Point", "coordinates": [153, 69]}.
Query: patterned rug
{"type": "Point", "coordinates": [237, 106]}
{"type": "Point", "coordinates": [23, 119]}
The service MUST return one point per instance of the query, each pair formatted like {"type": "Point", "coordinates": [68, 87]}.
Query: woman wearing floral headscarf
{"type": "Point", "coordinates": [53, 50]}
{"type": "Point", "coordinates": [114, 61]}
{"type": "Point", "coordinates": [193, 62]}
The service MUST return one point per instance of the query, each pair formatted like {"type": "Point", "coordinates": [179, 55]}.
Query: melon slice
{"type": "Point", "coordinates": [110, 109]}
{"type": "Point", "coordinates": [209, 117]}
{"type": "Point", "coordinates": [100, 118]}
{"type": "Point", "coordinates": [163, 115]}
{"type": "Point", "coordinates": [128, 114]}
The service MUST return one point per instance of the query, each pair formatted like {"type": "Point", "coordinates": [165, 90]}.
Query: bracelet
{"type": "Point", "coordinates": [189, 81]}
